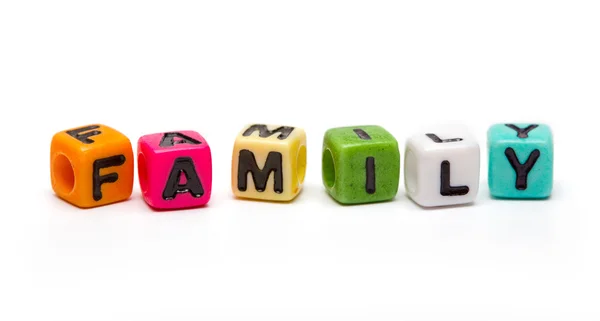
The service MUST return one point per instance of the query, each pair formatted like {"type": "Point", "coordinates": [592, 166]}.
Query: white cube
{"type": "Point", "coordinates": [441, 167]}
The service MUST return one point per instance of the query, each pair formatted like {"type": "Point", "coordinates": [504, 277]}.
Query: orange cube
{"type": "Point", "coordinates": [91, 166]}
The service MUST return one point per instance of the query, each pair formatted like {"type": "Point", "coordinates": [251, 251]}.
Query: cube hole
{"type": "Point", "coordinates": [410, 171]}
{"type": "Point", "coordinates": [328, 168]}
{"type": "Point", "coordinates": [301, 164]}
{"type": "Point", "coordinates": [64, 174]}
{"type": "Point", "coordinates": [142, 172]}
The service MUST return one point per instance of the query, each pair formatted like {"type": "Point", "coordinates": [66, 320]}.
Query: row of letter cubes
{"type": "Point", "coordinates": [94, 165]}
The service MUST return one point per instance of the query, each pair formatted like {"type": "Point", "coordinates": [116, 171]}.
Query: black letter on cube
{"type": "Point", "coordinates": [370, 187]}
{"type": "Point", "coordinates": [98, 180]}
{"type": "Point", "coordinates": [264, 132]}
{"type": "Point", "coordinates": [168, 140]}
{"type": "Point", "coordinates": [522, 170]}
{"type": "Point", "coordinates": [522, 132]}
{"type": "Point", "coordinates": [247, 163]}
{"type": "Point", "coordinates": [446, 189]}
{"type": "Point", "coordinates": [85, 137]}
{"type": "Point", "coordinates": [183, 166]}
{"type": "Point", "coordinates": [438, 140]}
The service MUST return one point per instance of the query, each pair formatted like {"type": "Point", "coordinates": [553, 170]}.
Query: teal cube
{"type": "Point", "coordinates": [361, 164]}
{"type": "Point", "coordinates": [521, 159]}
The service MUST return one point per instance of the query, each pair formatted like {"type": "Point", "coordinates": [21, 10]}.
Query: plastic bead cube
{"type": "Point", "coordinates": [521, 158]}
{"type": "Point", "coordinates": [268, 162]}
{"type": "Point", "coordinates": [360, 164]}
{"type": "Point", "coordinates": [441, 167]}
{"type": "Point", "coordinates": [175, 170]}
{"type": "Point", "coordinates": [91, 166]}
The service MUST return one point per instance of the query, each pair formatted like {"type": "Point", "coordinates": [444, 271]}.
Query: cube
{"type": "Point", "coordinates": [360, 164]}
{"type": "Point", "coordinates": [521, 159]}
{"type": "Point", "coordinates": [175, 170]}
{"type": "Point", "coordinates": [91, 166]}
{"type": "Point", "coordinates": [268, 162]}
{"type": "Point", "coordinates": [441, 167]}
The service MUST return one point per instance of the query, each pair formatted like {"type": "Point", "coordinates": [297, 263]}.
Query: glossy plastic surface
{"type": "Point", "coordinates": [441, 167]}
{"type": "Point", "coordinates": [175, 169]}
{"type": "Point", "coordinates": [268, 162]}
{"type": "Point", "coordinates": [91, 165]}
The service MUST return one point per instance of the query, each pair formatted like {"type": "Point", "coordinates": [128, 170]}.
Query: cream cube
{"type": "Point", "coordinates": [268, 162]}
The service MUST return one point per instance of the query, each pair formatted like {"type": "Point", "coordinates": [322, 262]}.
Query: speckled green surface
{"type": "Point", "coordinates": [349, 153]}
{"type": "Point", "coordinates": [501, 175]}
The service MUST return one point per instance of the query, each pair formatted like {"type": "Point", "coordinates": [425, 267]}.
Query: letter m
{"type": "Point", "coordinates": [247, 164]}
{"type": "Point", "coordinates": [264, 132]}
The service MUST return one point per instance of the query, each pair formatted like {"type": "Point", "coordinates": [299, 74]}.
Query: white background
{"type": "Point", "coordinates": [154, 66]}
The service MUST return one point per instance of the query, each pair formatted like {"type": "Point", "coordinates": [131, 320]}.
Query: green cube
{"type": "Point", "coordinates": [361, 164]}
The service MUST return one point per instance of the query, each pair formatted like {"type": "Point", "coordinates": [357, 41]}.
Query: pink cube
{"type": "Point", "coordinates": [175, 169]}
